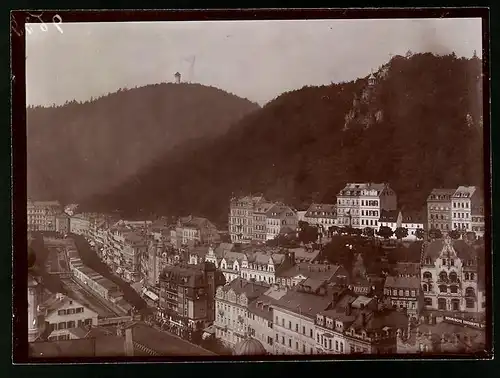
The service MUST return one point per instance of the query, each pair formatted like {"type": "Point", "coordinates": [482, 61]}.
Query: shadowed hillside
{"type": "Point", "coordinates": [417, 126]}
{"type": "Point", "coordinates": [79, 149]}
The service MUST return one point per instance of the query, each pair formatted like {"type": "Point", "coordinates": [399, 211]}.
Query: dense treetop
{"type": "Point", "coordinates": [297, 148]}
{"type": "Point", "coordinates": [80, 149]}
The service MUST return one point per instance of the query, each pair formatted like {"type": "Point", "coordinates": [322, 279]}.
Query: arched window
{"type": "Point", "coordinates": [466, 275]}
{"type": "Point", "coordinates": [428, 260]}
{"type": "Point", "coordinates": [453, 277]}
{"type": "Point", "coordinates": [442, 304]}
{"type": "Point", "coordinates": [428, 275]}
{"type": "Point", "coordinates": [428, 301]}
{"type": "Point", "coordinates": [470, 292]}
{"type": "Point", "coordinates": [455, 304]}
{"type": "Point", "coordinates": [454, 289]}
{"type": "Point", "coordinates": [424, 287]}
{"type": "Point", "coordinates": [443, 276]}
{"type": "Point", "coordinates": [442, 288]}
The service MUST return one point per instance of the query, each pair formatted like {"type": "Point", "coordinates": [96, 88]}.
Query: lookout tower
{"type": "Point", "coordinates": [177, 76]}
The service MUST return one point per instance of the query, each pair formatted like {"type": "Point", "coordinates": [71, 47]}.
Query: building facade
{"type": "Point", "coordinates": [241, 216]}
{"type": "Point", "coordinates": [360, 205]}
{"type": "Point", "coordinates": [439, 209]}
{"type": "Point", "coordinates": [41, 215]}
{"type": "Point", "coordinates": [193, 231]}
{"type": "Point", "coordinates": [450, 274]}
{"type": "Point", "coordinates": [260, 220]}
{"type": "Point", "coordinates": [232, 316]}
{"type": "Point", "coordinates": [463, 201]}
{"type": "Point", "coordinates": [79, 224]}
{"type": "Point", "coordinates": [263, 267]}
{"type": "Point", "coordinates": [403, 293]}
{"type": "Point", "coordinates": [280, 219]}
{"type": "Point", "coordinates": [187, 295]}
{"type": "Point", "coordinates": [322, 215]}
{"type": "Point", "coordinates": [412, 221]}
{"type": "Point", "coordinates": [64, 314]}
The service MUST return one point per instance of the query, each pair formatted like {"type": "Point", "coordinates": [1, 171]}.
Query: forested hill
{"type": "Point", "coordinates": [79, 149]}
{"type": "Point", "coordinates": [418, 126]}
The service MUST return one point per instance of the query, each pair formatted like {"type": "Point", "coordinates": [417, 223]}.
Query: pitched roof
{"type": "Point", "coordinates": [321, 210]}
{"type": "Point", "coordinates": [304, 303]}
{"type": "Point", "coordinates": [402, 282]}
{"type": "Point", "coordinates": [278, 210]}
{"type": "Point", "coordinates": [250, 289]}
{"type": "Point", "coordinates": [465, 191]}
{"type": "Point", "coordinates": [464, 251]}
{"type": "Point", "coordinates": [389, 216]}
{"type": "Point", "coordinates": [440, 194]}
{"type": "Point", "coordinates": [263, 206]}
{"type": "Point", "coordinates": [315, 271]}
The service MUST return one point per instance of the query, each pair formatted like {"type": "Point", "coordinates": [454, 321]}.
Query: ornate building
{"type": "Point", "coordinates": [42, 215]}
{"type": "Point", "coordinates": [438, 209]}
{"type": "Point", "coordinates": [232, 302]}
{"type": "Point", "coordinates": [451, 276]}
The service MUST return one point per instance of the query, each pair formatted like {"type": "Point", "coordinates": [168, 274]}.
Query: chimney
{"type": "Point", "coordinates": [129, 342]}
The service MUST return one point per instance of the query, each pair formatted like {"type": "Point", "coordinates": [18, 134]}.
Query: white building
{"type": "Point", "coordinates": [322, 214]}
{"type": "Point", "coordinates": [360, 205]}
{"type": "Point", "coordinates": [64, 314]}
{"type": "Point", "coordinates": [280, 218]}
{"type": "Point", "coordinates": [261, 266]}
{"type": "Point", "coordinates": [452, 279]}
{"type": "Point", "coordinates": [464, 201]}
{"type": "Point", "coordinates": [411, 221]}
{"type": "Point", "coordinates": [231, 306]}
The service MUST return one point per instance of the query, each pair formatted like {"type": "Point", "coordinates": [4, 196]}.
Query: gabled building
{"type": "Point", "coordinates": [360, 205]}
{"type": "Point", "coordinates": [323, 215]}
{"type": "Point", "coordinates": [280, 219]}
{"type": "Point", "coordinates": [403, 293]}
{"type": "Point", "coordinates": [232, 301]}
{"type": "Point", "coordinates": [263, 266]}
{"type": "Point", "coordinates": [412, 221]}
{"type": "Point", "coordinates": [63, 314]}
{"type": "Point", "coordinates": [467, 202]}
{"type": "Point", "coordinates": [193, 231]}
{"type": "Point", "coordinates": [450, 277]}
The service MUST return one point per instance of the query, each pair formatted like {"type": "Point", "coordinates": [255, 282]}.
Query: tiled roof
{"type": "Point", "coordinates": [250, 289]}
{"type": "Point", "coordinates": [278, 210]}
{"type": "Point", "coordinates": [389, 216]}
{"type": "Point", "coordinates": [464, 191]}
{"type": "Point", "coordinates": [302, 253]}
{"type": "Point", "coordinates": [186, 275]}
{"type": "Point", "coordinates": [321, 210]}
{"type": "Point", "coordinates": [402, 282]}
{"type": "Point", "coordinates": [316, 271]}
{"type": "Point", "coordinates": [441, 194]}
{"type": "Point", "coordinates": [263, 207]}
{"type": "Point", "coordinates": [304, 303]}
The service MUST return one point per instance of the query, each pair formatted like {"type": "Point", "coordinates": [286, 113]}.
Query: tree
{"type": "Point", "coordinates": [307, 233]}
{"type": "Point", "coordinates": [454, 234]}
{"type": "Point", "coordinates": [434, 233]}
{"type": "Point", "coordinates": [368, 232]}
{"type": "Point", "coordinates": [401, 233]}
{"type": "Point", "coordinates": [471, 236]}
{"type": "Point", "coordinates": [419, 233]}
{"type": "Point", "coordinates": [385, 232]}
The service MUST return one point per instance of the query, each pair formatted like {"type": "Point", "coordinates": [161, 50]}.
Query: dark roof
{"type": "Point", "coordinates": [324, 210]}
{"type": "Point", "coordinates": [250, 289]}
{"type": "Point", "coordinates": [441, 194]}
{"type": "Point", "coordinates": [249, 347]}
{"type": "Point", "coordinates": [104, 346]}
{"type": "Point", "coordinates": [304, 303]}
{"type": "Point", "coordinates": [389, 216]}
{"type": "Point", "coordinates": [402, 282]}
{"type": "Point", "coordinates": [464, 251]}
{"type": "Point", "coordinates": [186, 275]}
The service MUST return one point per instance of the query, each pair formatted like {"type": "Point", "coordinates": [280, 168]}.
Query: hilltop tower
{"type": "Point", "coordinates": [177, 76]}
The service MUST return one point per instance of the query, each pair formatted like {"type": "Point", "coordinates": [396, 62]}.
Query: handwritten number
{"type": "Point", "coordinates": [56, 24]}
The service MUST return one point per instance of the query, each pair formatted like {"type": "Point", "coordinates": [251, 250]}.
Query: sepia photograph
{"type": "Point", "coordinates": [244, 188]}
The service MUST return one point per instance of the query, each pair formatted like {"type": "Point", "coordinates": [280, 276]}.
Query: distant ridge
{"type": "Point", "coordinates": [79, 149]}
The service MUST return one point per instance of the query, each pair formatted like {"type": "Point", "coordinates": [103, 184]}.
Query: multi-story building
{"type": "Point", "coordinates": [450, 275]}
{"type": "Point", "coordinates": [232, 301]}
{"type": "Point", "coordinates": [260, 317]}
{"type": "Point", "coordinates": [360, 205]}
{"type": "Point", "coordinates": [262, 266]}
{"type": "Point", "coordinates": [193, 231]}
{"type": "Point", "coordinates": [439, 209]}
{"type": "Point", "coordinates": [241, 216]}
{"type": "Point", "coordinates": [463, 201]}
{"type": "Point", "coordinates": [403, 293]}
{"type": "Point", "coordinates": [280, 218]}
{"type": "Point", "coordinates": [302, 272]}
{"type": "Point", "coordinates": [260, 220]}
{"type": "Point", "coordinates": [294, 319]}
{"type": "Point", "coordinates": [134, 248]}
{"type": "Point", "coordinates": [64, 314]}
{"type": "Point", "coordinates": [79, 224]}
{"type": "Point", "coordinates": [62, 223]}
{"type": "Point", "coordinates": [41, 215]}
{"type": "Point", "coordinates": [355, 324]}
{"type": "Point", "coordinates": [321, 214]}
{"type": "Point", "coordinates": [155, 263]}
{"type": "Point", "coordinates": [187, 295]}
{"type": "Point", "coordinates": [477, 217]}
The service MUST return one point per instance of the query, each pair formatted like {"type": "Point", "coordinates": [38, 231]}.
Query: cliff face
{"type": "Point", "coordinates": [416, 127]}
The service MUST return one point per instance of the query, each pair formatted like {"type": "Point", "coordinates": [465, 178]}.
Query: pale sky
{"type": "Point", "coordinates": [257, 60]}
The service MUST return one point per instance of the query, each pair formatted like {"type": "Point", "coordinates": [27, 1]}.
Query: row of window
{"type": "Point", "coordinates": [70, 324]}
{"type": "Point", "coordinates": [70, 311]}
{"type": "Point", "coordinates": [439, 216]}
{"type": "Point", "coordinates": [296, 326]}
{"type": "Point", "coordinates": [454, 303]}
{"type": "Point", "coordinates": [400, 292]}
{"type": "Point", "coordinates": [354, 202]}
{"type": "Point", "coordinates": [289, 344]}
{"type": "Point", "coordinates": [373, 222]}
{"type": "Point", "coordinates": [369, 213]}
{"type": "Point", "coordinates": [461, 226]}
{"type": "Point", "coordinates": [461, 215]}
{"type": "Point", "coordinates": [328, 344]}
{"type": "Point", "coordinates": [439, 208]}
{"type": "Point", "coordinates": [440, 226]}
{"type": "Point", "coordinates": [461, 204]}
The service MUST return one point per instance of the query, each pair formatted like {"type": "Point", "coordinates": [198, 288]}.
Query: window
{"type": "Point", "coordinates": [424, 287]}
{"type": "Point", "coordinates": [330, 344]}
{"type": "Point", "coordinates": [469, 302]}
{"type": "Point", "coordinates": [297, 345]}
{"type": "Point", "coordinates": [289, 324]}
{"type": "Point", "coordinates": [453, 289]}
{"type": "Point", "coordinates": [443, 289]}
{"type": "Point", "coordinates": [428, 301]}
{"type": "Point", "coordinates": [455, 304]}
{"type": "Point", "coordinates": [336, 345]}
{"type": "Point", "coordinates": [289, 343]}
{"type": "Point", "coordinates": [304, 330]}
{"type": "Point", "coordinates": [61, 325]}
{"type": "Point", "coordinates": [282, 322]}
{"type": "Point", "coordinates": [341, 347]}
{"type": "Point", "coordinates": [428, 275]}
{"type": "Point", "coordinates": [296, 328]}
{"type": "Point", "coordinates": [470, 292]}
{"type": "Point", "coordinates": [71, 324]}
{"type": "Point", "coordinates": [283, 340]}
{"type": "Point", "coordinates": [442, 304]}
{"type": "Point", "coordinates": [311, 333]}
